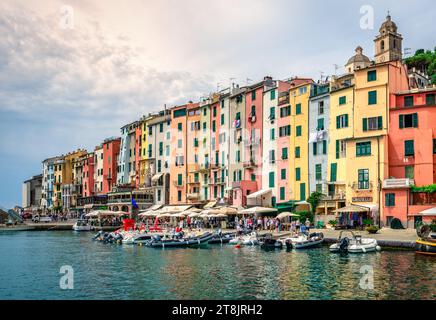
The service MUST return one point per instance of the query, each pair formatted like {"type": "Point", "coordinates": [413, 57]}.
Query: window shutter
{"type": "Point", "coordinates": [338, 122]}
{"type": "Point", "coordinates": [415, 120]}
{"type": "Point", "coordinates": [365, 124]}
{"type": "Point", "coordinates": [324, 146]}
{"type": "Point", "coordinates": [401, 120]}
{"type": "Point", "coordinates": [333, 168]}
{"type": "Point", "coordinates": [337, 149]}
{"type": "Point", "coordinates": [314, 148]}
{"type": "Point", "coordinates": [380, 122]}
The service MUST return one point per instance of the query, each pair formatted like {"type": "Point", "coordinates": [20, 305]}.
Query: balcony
{"type": "Point", "coordinates": [194, 182]}
{"type": "Point", "coordinates": [177, 185]}
{"type": "Point", "coordinates": [362, 186]}
{"type": "Point", "coordinates": [193, 196]}
{"type": "Point", "coordinates": [252, 141]}
{"type": "Point", "coordinates": [398, 183]}
{"type": "Point", "coordinates": [249, 164]}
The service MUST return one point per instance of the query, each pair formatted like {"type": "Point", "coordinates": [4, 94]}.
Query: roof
{"type": "Point", "coordinates": [259, 193]}
{"type": "Point", "coordinates": [358, 57]}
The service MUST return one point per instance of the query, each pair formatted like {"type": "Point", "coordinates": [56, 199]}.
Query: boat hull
{"type": "Point", "coordinates": [425, 247]}
{"type": "Point", "coordinates": [182, 242]}
{"type": "Point", "coordinates": [307, 244]}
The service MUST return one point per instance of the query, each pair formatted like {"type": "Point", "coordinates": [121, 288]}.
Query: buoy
{"type": "Point", "coordinates": [238, 246]}
{"type": "Point", "coordinates": [378, 248]}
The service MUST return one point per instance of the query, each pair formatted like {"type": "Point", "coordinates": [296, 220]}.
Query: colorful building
{"type": "Point", "coordinates": [412, 158]}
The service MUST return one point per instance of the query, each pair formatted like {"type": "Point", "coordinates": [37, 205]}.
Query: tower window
{"type": "Point", "coordinates": [382, 44]}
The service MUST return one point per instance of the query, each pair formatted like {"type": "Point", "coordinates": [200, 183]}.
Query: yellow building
{"type": "Point", "coordinates": [340, 132]}
{"type": "Point", "coordinates": [144, 164]}
{"type": "Point", "coordinates": [299, 142]}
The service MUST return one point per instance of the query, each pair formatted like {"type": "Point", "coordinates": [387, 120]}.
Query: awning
{"type": "Point", "coordinates": [259, 193]}
{"type": "Point", "coordinates": [156, 177]}
{"type": "Point", "coordinates": [371, 206]}
{"type": "Point", "coordinates": [429, 212]}
{"type": "Point", "coordinates": [154, 207]}
{"type": "Point", "coordinates": [286, 214]}
{"type": "Point", "coordinates": [254, 210]}
{"type": "Point", "coordinates": [351, 208]}
{"type": "Point", "coordinates": [174, 209]}
{"type": "Point", "coordinates": [209, 204]}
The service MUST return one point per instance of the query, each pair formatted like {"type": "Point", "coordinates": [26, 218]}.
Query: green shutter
{"type": "Point", "coordinates": [302, 191]}
{"type": "Point", "coordinates": [315, 147]}
{"type": "Point", "coordinates": [380, 122]}
{"type": "Point", "coordinates": [372, 97]}
{"type": "Point", "coordinates": [179, 180]}
{"type": "Point", "coordinates": [337, 149]}
{"type": "Point", "coordinates": [282, 193]}
{"type": "Point", "coordinates": [415, 120]}
{"type": "Point", "coordinates": [338, 122]}
{"type": "Point", "coordinates": [271, 179]}
{"type": "Point", "coordinates": [324, 146]}
{"type": "Point", "coordinates": [297, 174]}
{"type": "Point", "coordinates": [333, 169]}
{"type": "Point", "coordinates": [365, 124]}
{"type": "Point", "coordinates": [401, 120]}
{"type": "Point", "coordinates": [346, 121]}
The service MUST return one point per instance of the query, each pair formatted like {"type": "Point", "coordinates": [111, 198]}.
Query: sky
{"type": "Point", "coordinates": [73, 72]}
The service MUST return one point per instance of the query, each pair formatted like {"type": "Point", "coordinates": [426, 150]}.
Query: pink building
{"type": "Point", "coordinates": [88, 176]}
{"type": "Point", "coordinates": [111, 150]}
{"type": "Point", "coordinates": [412, 157]}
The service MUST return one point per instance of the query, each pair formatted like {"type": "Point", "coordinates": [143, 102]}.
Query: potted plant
{"type": "Point", "coordinates": [333, 223]}
{"type": "Point", "coordinates": [372, 229]}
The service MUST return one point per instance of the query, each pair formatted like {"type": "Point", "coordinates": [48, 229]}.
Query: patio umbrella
{"type": "Point", "coordinates": [193, 214]}
{"type": "Point", "coordinates": [228, 210]}
{"type": "Point", "coordinates": [221, 215]}
{"type": "Point", "coordinates": [286, 214]}
{"type": "Point", "coordinates": [255, 210]}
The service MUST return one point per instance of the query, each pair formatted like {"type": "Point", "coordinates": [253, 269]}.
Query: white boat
{"type": "Point", "coordinates": [82, 225]}
{"type": "Point", "coordinates": [356, 244]}
{"type": "Point", "coordinates": [130, 236]}
{"type": "Point", "coordinates": [247, 240]}
{"type": "Point", "coordinates": [307, 241]}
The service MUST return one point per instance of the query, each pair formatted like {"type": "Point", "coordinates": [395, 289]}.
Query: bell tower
{"type": "Point", "coordinates": [388, 44]}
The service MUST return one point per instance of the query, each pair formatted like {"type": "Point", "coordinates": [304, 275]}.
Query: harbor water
{"type": "Point", "coordinates": [30, 264]}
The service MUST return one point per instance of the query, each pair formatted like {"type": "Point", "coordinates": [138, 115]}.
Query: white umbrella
{"type": "Point", "coordinates": [228, 210]}
{"type": "Point", "coordinates": [254, 210]}
{"type": "Point", "coordinates": [286, 214]}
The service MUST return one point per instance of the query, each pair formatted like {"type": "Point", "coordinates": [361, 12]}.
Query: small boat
{"type": "Point", "coordinates": [220, 238]}
{"type": "Point", "coordinates": [159, 242]}
{"type": "Point", "coordinates": [246, 240]}
{"type": "Point", "coordinates": [268, 242]}
{"type": "Point", "coordinates": [82, 225]}
{"type": "Point", "coordinates": [356, 244]}
{"type": "Point", "coordinates": [426, 244]}
{"type": "Point", "coordinates": [308, 240]}
{"type": "Point", "coordinates": [130, 236]}
{"type": "Point", "coordinates": [108, 237]}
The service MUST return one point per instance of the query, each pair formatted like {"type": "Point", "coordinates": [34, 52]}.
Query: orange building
{"type": "Point", "coordinates": [412, 157]}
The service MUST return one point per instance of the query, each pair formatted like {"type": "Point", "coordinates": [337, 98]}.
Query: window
{"type": "Point", "coordinates": [285, 111]}
{"type": "Point", "coordinates": [297, 152]}
{"type": "Point", "coordinates": [285, 131]}
{"type": "Point", "coordinates": [408, 101]}
{"type": "Point", "coordinates": [409, 172]}
{"type": "Point", "coordinates": [272, 95]}
{"type": "Point", "coordinates": [321, 107]}
{"type": "Point", "coordinates": [272, 113]}
{"type": "Point", "coordinates": [179, 113]}
{"type": "Point", "coordinates": [179, 179]}
{"type": "Point", "coordinates": [271, 179]}
{"type": "Point", "coordinates": [214, 111]}
{"type": "Point", "coordinates": [315, 148]}
{"type": "Point", "coordinates": [408, 120]}
{"type": "Point", "coordinates": [372, 75]}
{"type": "Point", "coordinates": [272, 133]}
{"type": "Point", "coordinates": [159, 194]}
{"type": "Point", "coordinates": [160, 127]}
{"type": "Point", "coordinates": [195, 142]}
{"type": "Point", "coordinates": [283, 174]}
{"type": "Point", "coordinates": [434, 146]}
{"type": "Point", "coordinates": [341, 149]}
{"type": "Point", "coordinates": [342, 100]}
{"type": "Point", "coordinates": [159, 165]}
{"type": "Point", "coordinates": [253, 95]}
{"type": "Point", "coordinates": [320, 125]}
{"type": "Point", "coordinates": [374, 123]}
{"type": "Point", "coordinates": [342, 121]}
{"type": "Point", "coordinates": [297, 174]}
{"type": "Point", "coordinates": [390, 199]}
{"type": "Point", "coordinates": [180, 126]}
{"type": "Point", "coordinates": [179, 143]}
{"type": "Point", "coordinates": [318, 172]}
{"type": "Point", "coordinates": [222, 119]}
{"type": "Point", "coordinates": [298, 108]}
{"type": "Point", "coordinates": [272, 156]}
{"type": "Point", "coordinates": [222, 104]}
{"type": "Point", "coordinates": [238, 156]}
{"type": "Point", "coordinates": [213, 126]}
{"type": "Point", "coordinates": [363, 149]}
{"type": "Point", "coordinates": [302, 191]}
{"type": "Point", "coordinates": [372, 97]}
{"type": "Point", "coordinates": [363, 179]}
{"type": "Point", "coordinates": [333, 171]}
{"type": "Point", "coordinates": [205, 112]}
{"type": "Point", "coordinates": [179, 196]}
{"type": "Point", "coordinates": [430, 99]}
{"type": "Point", "coordinates": [324, 146]}
{"type": "Point", "coordinates": [298, 131]}
{"type": "Point", "coordinates": [409, 149]}
{"type": "Point", "coordinates": [161, 148]}
{"type": "Point", "coordinates": [284, 153]}
{"type": "Point", "coordinates": [282, 193]}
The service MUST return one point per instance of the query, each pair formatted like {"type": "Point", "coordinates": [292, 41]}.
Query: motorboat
{"type": "Point", "coordinates": [82, 225]}
{"type": "Point", "coordinates": [268, 242]}
{"type": "Point", "coordinates": [356, 244]}
{"type": "Point", "coordinates": [220, 238]}
{"type": "Point", "coordinates": [305, 240]}
{"type": "Point", "coordinates": [130, 236]}
{"type": "Point", "coordinates": [159, 242]}
{"type": "Point", "coordinates": [250, 239]}
{"type": "Point", "coordinates": [108, 237]}
{"type": "Point", "coordinates": [426, 244]}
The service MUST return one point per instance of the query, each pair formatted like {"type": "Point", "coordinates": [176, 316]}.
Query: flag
{"type": "Point", "coordinates": [134, 204]}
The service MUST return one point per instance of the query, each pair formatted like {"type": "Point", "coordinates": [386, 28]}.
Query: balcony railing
{"type": "Point", "coordinates": [398, 183]}
{"type": "Point", "coordinates": [249, 164]}
{"type": "Point", "coordinates": [362, 186]}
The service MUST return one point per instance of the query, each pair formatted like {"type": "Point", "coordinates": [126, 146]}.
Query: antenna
{"type": "Point", "coordinates": [248, 80]}
{"type": "Point", "coordinates": [407, 51]}
{"type": "Point", "coordinates": [336, 68]}
{"type": "Point", "coordinates": [321, 73]}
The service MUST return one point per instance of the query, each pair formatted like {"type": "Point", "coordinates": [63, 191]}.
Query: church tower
{"type": "Point", "coordinates": [388, 44]}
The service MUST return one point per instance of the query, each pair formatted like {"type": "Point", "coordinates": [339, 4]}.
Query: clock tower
{"type": "Point", "coordinates": [388, 44]}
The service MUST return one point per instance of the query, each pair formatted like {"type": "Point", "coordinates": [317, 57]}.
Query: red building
{"type": "Point", "coordinates": [412, 157]}
{"type": "Point", "coordinates": [111, 150]}
{"type": "Point", "coordinates": [88, 176]}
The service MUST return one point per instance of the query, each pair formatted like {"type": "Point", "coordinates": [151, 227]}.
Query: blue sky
{"type": "Point", "coordinates": [61, 88]}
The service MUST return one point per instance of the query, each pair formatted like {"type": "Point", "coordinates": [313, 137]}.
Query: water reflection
{"type": "Point", "coordinates": [219, 272]}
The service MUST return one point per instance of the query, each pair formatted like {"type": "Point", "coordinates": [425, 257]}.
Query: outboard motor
{"type": "Point", "coordinates": [343, 244]}
{"type": "Point", "coordinates": [288, 244]}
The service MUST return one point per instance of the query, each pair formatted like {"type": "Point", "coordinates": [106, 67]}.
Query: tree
{"type": "Point", "coordinates": [424, 61]}
{"type": "Point", "coordinates": [313, 200]}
